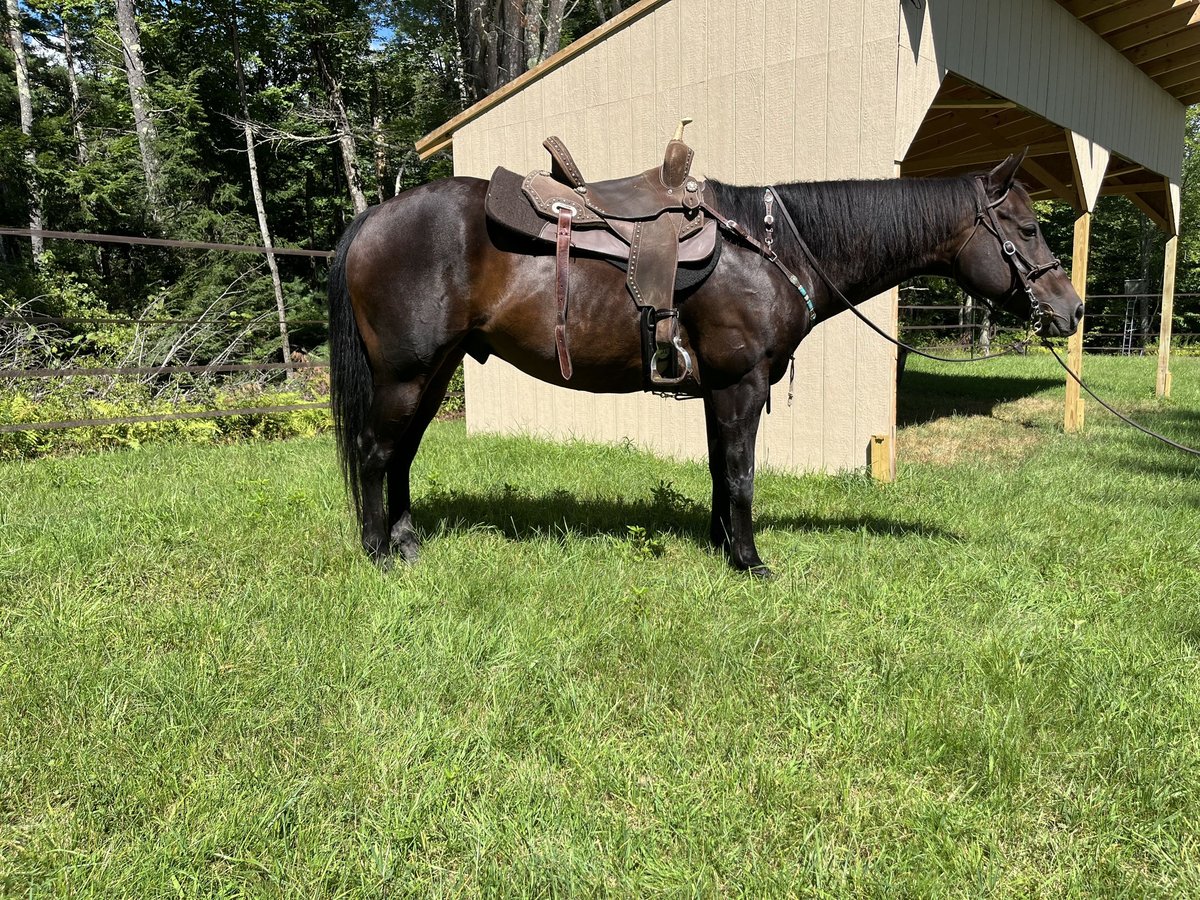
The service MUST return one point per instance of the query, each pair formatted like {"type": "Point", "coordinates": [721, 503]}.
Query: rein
{"type": "Point", "coordinates": [1023, 268]}
{"type": "Point", "coordinates": [833, 288]}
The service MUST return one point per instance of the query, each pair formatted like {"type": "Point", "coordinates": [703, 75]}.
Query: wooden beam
{"type": "Point", "coordinates": [1188, 75]}
{"type": "Point", "coordinates": [443, 135]}
{"type": "Point", "coordinates": [1117, 189]}
{"type": "Point", "coordinates": [1155, 29]}
{"type": "Point", "coordinates": [1082, 8]}
{"type": "Point", "coordinates": [976, 104]}
{"type": "Point", "coordinates": [1166, 64]}
{"type": "Point", "coordinates": [1127, 169]}
{"type": "Point", "coordinates": [1163, 381]}
{"type": "Point", "coordinates": [978, 157]}
{"type": "Point", "coordinates": [1189, 99]}
{"type": "Point", "coordinates": [1180, 41]}
{"type": "Point", "coordinates": [1058, 188]}
{"type": "Point", "coordinates": [1132, 13]}
{"type": "Point", "coordinates": [883, 466]}
{"type": "Point", "coordinates": [1155, 215]}
{"type": "Point", "coordinates": [1073, 407]}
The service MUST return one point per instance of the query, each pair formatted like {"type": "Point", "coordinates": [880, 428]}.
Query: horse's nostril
{"type": "Point", "coordinates": [1078, 315]}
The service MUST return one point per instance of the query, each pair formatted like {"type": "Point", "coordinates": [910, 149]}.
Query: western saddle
{"type": "Point", "coordinates": [653, 225]}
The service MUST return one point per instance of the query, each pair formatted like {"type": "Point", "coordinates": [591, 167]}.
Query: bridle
{"type": "Point", "coordinates": [1025, 270]}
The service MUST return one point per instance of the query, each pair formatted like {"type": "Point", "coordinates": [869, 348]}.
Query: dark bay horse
{"type": "Point", "coordinates": [423, 279]}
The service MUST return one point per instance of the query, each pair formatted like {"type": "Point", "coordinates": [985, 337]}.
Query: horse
{"type": "Point", "coordinates": [425, 278]}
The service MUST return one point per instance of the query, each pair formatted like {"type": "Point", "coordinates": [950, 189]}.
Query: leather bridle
{"type": "Point", "coordinates": [1025, 270]}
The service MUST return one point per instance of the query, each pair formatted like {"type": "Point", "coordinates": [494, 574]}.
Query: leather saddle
{"type": "Point", "coordinates": [653, 225]}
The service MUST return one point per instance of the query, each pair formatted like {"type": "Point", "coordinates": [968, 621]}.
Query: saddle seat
{"type": "Point", "coordinates": [649, 222]}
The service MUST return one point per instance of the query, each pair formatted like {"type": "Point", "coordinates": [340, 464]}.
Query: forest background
{"type": "Point", "coordinates": [273, 123]}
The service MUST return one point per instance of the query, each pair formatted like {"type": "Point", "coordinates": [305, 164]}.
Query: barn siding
{"type": "Point", "coordinates": [719, 62]}
{"type": "Point", "coordinates": [1037, 54]}
{"type": "Point", "coordinates": [781, 91]}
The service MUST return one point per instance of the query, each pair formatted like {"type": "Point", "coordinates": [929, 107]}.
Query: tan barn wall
{"type": "Point", "coordinates": [780, 91]}
{"type": "Point", "coordinates": [1035, 53]}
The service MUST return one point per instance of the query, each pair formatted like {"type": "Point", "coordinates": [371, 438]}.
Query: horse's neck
{"type": "Point", "coordinates": [886, 232]}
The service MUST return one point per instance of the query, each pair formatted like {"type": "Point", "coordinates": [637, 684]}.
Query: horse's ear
{"type": "Point", "coordinates": [1001, 178]}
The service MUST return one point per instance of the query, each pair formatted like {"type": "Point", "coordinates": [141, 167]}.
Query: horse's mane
{"type": "Point", "coordinates": [880, 225]}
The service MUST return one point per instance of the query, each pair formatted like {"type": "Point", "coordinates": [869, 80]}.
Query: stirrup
{"type": "Point", "coordinates": [664, 350]}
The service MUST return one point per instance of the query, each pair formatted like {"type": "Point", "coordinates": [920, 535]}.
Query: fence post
{"type": "Point", "coordinates": [1073, 411]}
{"type": "Point", "coordinates": [1163, 382]}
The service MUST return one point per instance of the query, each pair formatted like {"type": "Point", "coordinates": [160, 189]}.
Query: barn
{"type": "Point", "coordinates": [793, 90]}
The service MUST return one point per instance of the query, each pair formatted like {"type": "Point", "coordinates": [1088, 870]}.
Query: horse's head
{"type": "Point", "coordinates": [1003, 257]}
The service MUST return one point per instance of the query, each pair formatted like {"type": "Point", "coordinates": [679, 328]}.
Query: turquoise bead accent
{"type": "Point", "coordinates": [812, 311]}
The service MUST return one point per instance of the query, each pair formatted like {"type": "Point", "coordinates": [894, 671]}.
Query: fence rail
{"type": "Point", "coordinates": [1138, 314]}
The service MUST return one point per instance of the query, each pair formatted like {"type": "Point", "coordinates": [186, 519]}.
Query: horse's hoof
{"type": "Point", "coordinates": [407, 546]}
{"type": "Point", "coordinates": [762, 572]}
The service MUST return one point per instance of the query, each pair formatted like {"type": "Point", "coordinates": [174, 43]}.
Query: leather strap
{"type": "Point", "coordinates": [562, 286]}
{"type": "Point", "coordinates": [562, 165]}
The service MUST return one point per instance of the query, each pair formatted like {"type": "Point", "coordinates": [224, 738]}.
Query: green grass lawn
{"type": "Point", "coordinates": [983, 680]}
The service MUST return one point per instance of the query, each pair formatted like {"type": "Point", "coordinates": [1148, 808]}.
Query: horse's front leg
{"type": "Point", "coordinates": [732, 416]}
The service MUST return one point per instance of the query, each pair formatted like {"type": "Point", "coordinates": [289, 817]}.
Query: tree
{"type": "Point", "coordinates": [260, 208]}
{"type": "Point", "coordinates": [135, 74]}
{"type": "Point", "coordinates": [16, 43]}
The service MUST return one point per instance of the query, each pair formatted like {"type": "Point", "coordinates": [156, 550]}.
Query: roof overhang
{"type": "Point", "coordinates": [1160, 37]}
{"type": "Point", "coordinates": [968, 128]}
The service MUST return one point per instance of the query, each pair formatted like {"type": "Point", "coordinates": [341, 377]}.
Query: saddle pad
{"type": "Point", "coordinates": [688, 275]}
{"type": "Point", "coordinates": [508, 206]}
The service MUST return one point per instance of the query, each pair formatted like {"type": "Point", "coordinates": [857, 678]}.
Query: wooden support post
{"type": "Point", "coordinates": [1163, 387]}
{"type": "Point", "coordinates": [1073, 412]}
{"type": "Point", "coordinates": [883, 460]}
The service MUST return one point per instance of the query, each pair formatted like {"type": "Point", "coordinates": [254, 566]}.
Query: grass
{"type": "Point", "coordinates": [981, 681]}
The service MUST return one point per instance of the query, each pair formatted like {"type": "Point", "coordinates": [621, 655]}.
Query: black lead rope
{"type": "Point", "coordinates": [1120, 415]}
{"type": "Point", "coordinates": [1020, 345]}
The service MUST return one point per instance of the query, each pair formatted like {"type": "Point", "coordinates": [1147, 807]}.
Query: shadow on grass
{"type": "Point", "coordinates": [522, 516]}
{"type": "Point", "coordinates": [926, 396]}
{"type": "Point", "coordinates": [1142, 453]}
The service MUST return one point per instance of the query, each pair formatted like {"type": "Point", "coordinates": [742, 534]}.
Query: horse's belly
{"type": "Point", "coordinates": [602, 327]}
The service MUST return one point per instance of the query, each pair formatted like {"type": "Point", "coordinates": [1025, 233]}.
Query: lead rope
{"type": "Point", "coordinates": [1120, 415]}
{"type": "Point", "coordinates": [1017, 347]}
{"type": "Point", "coordinates": [1036, 309]}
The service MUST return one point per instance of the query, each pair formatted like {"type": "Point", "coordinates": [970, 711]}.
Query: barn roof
{"type": "Point", "coordinates": [1160, 37]}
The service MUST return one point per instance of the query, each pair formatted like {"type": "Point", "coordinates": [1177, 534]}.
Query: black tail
{"type": "Point", "coordinates": [351, 389]}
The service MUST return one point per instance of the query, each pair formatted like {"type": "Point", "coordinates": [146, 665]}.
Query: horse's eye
{"type": "Point", "coordinates": [1029, 231]}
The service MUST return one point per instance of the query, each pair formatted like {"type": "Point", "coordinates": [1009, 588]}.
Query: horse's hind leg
{"type": "Point", "coordinates": [402, 536]}
{"type": "Point", "coordinates": [392, 409]}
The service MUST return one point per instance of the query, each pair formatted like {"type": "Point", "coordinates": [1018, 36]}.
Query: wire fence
{"type": "Point", "coordinates": [16, 324]}
{"type": "Point", "coordinates": [1122, 324]}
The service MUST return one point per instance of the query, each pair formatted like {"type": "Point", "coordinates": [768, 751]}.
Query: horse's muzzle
{"type": "Point", "coordinates": [1056, 325]}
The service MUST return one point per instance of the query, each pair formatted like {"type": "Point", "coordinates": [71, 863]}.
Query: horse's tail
{"type": "Point", "coordinates": [351, 388]}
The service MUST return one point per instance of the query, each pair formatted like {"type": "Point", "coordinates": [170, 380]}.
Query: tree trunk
{"type": "Point", "coordinates": [260, 207]}
{"type": "Point", "coordinates": [135, 74]}
{"type": "Point", "coordinates": [554, 23]}
{"type": "Point", "coordinates": [533, 32]}
{"type": "Point", "coordinates": [513, 28]}
{"type": "Point", "coordinates": [377, 139]}
{"type": "Point", "coordinates": [25, 101]}
{"type": "Point", "coordinates": [81, 148]}
{"type": "Point", "coordinates": [345, 136]}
